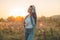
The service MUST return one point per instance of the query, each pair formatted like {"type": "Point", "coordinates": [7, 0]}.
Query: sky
{"type": "Point", "coordinates": [20, 7]}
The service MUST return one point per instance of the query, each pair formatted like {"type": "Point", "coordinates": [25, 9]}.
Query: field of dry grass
{"type": "Point", "coordinates": [44, 30]}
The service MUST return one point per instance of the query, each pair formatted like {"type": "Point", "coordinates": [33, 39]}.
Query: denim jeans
{"type": "Point", "coordinates": [29, 34]}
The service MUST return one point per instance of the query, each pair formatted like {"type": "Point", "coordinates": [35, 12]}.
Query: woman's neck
{"type": "Point", "coordinates": [30, 14]}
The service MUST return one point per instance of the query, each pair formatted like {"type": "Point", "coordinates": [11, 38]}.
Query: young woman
{"type": "Point", "coordinates": [29, 23]}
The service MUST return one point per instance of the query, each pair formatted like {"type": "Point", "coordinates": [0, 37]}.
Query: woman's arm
{"type": "Point", "coordinates": [25, 24]}
{"type": "Point", "coordinates": [32, 21]}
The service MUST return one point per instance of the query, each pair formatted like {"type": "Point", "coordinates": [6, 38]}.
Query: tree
{"type": "Point", "coordinates": [11, 19]}
{"type": "Point", "coordinates": [19, 19]}
{"type": "Point", "coordinates": [2, 20]}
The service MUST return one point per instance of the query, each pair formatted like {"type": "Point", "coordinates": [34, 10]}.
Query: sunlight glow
{"type": "Point", "coordinates": [17, 11]}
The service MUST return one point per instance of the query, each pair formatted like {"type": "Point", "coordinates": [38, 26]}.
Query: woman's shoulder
{"type": "Point", "coordinates": [26, 16]}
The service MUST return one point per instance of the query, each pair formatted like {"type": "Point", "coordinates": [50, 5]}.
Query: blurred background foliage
{"type": "Point", "coordinates": [47, 28]}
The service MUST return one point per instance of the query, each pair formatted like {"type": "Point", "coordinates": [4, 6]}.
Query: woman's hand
{"type": "Point", "coordinates": [26, 24]}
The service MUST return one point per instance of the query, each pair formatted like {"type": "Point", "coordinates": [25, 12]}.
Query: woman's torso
{"type": "Point", "coordinates": [28, 20]}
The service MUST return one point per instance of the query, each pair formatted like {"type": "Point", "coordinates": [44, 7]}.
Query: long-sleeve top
{"type": "Point", "coordinates": [28, 20]}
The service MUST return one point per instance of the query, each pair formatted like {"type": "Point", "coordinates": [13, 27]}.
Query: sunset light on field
{"type": "Point", "coordinates": [29, 19]}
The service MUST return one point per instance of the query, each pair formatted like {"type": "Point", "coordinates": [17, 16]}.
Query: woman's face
{"type": "Point", "coordinates": [30, 10]}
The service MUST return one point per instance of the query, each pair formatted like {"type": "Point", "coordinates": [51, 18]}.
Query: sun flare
{"type": "Point", "coordinates": [17, 11]}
